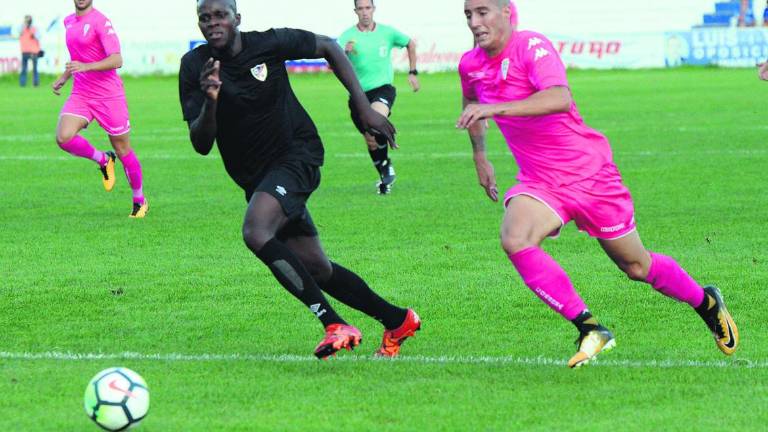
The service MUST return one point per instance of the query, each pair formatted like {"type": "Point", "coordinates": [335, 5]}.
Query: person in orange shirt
{"type": "Point", "coordinates": [30, 50]}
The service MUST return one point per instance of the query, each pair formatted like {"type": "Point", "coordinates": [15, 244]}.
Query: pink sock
{"type": "Point", "coordinates": [549, 281]}
{"type": "Point", "coordinates": [667, 277]}
{"type": "Point", "coordinates": [133, 173]}
{"type": "Point", "coordinates": [80, 147]}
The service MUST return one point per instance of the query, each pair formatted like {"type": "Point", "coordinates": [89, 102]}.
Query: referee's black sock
{"type": "Point", "coordinates": [381, 153]}
{"type": "Point", "coordinates": [350, 289]}
{"type": "Point", "coordinates": [292, 275]}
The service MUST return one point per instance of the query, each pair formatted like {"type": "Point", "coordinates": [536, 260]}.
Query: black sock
{"type": "Point", "coordinates": [381, 153]}
{"type": "Point", "coordinates": [585, 322]}
{"type": "Point", "coordinates": [292, 275]}
{"type": "Point", "coordinates": [350, 289]}
{"type": "Point", "coordinates": [704, 307]}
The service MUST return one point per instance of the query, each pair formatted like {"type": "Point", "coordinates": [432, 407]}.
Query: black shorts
{"type": "Point", "coordinates": [385, 94]}
{"type": "Point", "coordinates": [291, 182]}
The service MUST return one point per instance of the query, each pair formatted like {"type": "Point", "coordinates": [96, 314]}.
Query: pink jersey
{"type": "Point", "coordinates": [555, 149]}
{"type": "Point", "coordinates": [91, 38]}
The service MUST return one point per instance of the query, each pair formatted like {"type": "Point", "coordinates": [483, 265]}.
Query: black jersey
{"type": "Point", "coordinates": [259, 120]}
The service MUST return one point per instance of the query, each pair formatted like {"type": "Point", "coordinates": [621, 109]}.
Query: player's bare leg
{"type": "Point", "coordinates": [350, 289]}
{"type": "Point", "coordinates": [527, 222]}
{"type": "Point", "coordinates": [132, 168]}
{"type": "Point", "coordinates": [68, 138]}
{"type": "Point", "coordinates": [667, 277]}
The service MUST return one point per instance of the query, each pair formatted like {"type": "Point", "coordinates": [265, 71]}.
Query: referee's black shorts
{"type": "Point", "coordinates": [385, 94]}
{"type": "Point", "coordinates": [291, 182]}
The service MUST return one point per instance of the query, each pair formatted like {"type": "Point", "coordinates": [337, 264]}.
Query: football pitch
{"type": "Point", "coordinates": [178, 298]}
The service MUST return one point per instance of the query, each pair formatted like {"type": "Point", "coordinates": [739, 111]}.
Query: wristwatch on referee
{"type": "Point", "coordinates": [413, 72]}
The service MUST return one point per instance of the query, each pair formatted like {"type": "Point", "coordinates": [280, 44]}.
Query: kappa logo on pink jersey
{"type": "Point", "coordinates": [476, 75]}
{"type": "Point", "coordinates": [540, 53]}
{"type": "Point", "coordinates": [532, 42]}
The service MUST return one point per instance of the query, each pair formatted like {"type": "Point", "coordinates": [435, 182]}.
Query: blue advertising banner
{"type": "Point", "coordinates": [723, 46]}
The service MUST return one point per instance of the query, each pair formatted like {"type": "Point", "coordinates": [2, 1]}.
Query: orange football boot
{"type": "Point", "coordinates": [139, 210]}
{"type": "Point", "coordinates": [108, 171]}
{"type": "Point", "coordinates": [337, 337]}
{"type": "Point", "coordinates": [393, 339]}
{"type": "Point", "coordinates": [719, 320]}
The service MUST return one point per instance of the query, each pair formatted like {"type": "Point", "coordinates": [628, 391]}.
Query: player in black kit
{"type": "Point", "coordinates": [235, 91]}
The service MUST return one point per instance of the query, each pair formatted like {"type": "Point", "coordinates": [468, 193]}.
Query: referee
{"type": "Point", "coordinates": [235, 91]}
{"type": "Point", "coordinates": [368, 45]}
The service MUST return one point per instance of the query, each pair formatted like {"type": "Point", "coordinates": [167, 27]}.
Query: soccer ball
{"type": "Point", "coordinates": [117, 399]}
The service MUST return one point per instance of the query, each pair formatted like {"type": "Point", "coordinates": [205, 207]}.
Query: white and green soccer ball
{"type": "Point", "coordinates": [117, 399]}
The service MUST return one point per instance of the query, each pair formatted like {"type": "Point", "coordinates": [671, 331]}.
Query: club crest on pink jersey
{"type": "Point", "coordinates": [504, 68]}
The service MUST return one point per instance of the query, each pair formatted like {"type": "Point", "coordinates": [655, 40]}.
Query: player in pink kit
{"type": "Point", "coordinates": [566, 173]}
{"type": "Point", "coordinates": [97, 93]}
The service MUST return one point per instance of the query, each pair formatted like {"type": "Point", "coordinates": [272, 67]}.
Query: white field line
{"type": "Point", "coordinates": [405, 155]}
{"type": "Point", "coordinates": [292, 358]}
{"type": "Point", "coordinates": [182, 133]}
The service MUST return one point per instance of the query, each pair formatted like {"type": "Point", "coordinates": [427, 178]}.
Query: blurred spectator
{"type": "Point", "coordinates": [743, 13]}
{"type": "Point", "coordinates": [747, 14]}
{"type": "Point", "coordinates": [765, 15]}
{"type": "Point", "coordinates": [30, 50]}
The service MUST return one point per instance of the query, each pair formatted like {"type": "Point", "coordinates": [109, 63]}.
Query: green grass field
{"type": "Point", "coordinates": [178, 297]}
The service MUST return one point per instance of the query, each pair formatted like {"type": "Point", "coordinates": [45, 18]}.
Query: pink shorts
{"type": "Point", "coordinates": [112, 114]}
{"type": "Point", "coordinates": [600, 205]}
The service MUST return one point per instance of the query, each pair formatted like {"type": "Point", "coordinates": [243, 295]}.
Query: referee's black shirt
{"type": "Point", "coordinates": [259, 120]}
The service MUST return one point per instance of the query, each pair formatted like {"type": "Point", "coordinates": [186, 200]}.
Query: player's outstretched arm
{"type": "Point", "coordinates": [114, 61]}
{"type": "Point", "coordinates": [550, 101]}
{"type": "Point", "coordinates": [763, 71]}
{"type": "Point", "coordinates": [202, 130]}
{"type": "Point", "coordinates": [342, 68]}
{"type": "Point", "coordinates": [59, 83]}
{"type": "Point", "coordinates": [485, 173]}
{"type": "Point", "coordinates": [413, 79]}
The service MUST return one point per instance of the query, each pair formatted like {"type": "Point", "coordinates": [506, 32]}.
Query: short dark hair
{"type": "Point", "coordinates": [372, 3]}
{"type": "Point", "coordinates": [232, 4]}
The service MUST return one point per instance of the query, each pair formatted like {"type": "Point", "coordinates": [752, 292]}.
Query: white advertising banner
{"type": "Point", "coordinates": [593, 51]}
{"type": "Point", "coordinates": [605, 51]}
{"type": "Point", "coordinates": [10, 60]}
{"type": "Point", "coordinates": [730, 47]}
{"type": "Point", "coordinates": [588, 33]}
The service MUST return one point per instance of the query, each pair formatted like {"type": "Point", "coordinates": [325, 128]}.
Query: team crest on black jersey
{"type": "Point", "coordinates": [259, 72]}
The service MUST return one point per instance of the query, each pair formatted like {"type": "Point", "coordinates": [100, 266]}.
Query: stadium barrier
{"type": "Point", "coordinates": [724, 46]}
{"type": "Point", "coordinates": [588, 33]}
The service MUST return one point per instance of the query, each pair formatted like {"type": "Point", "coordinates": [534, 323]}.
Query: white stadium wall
{"type": "Point", "coordinates": [589, 33]}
